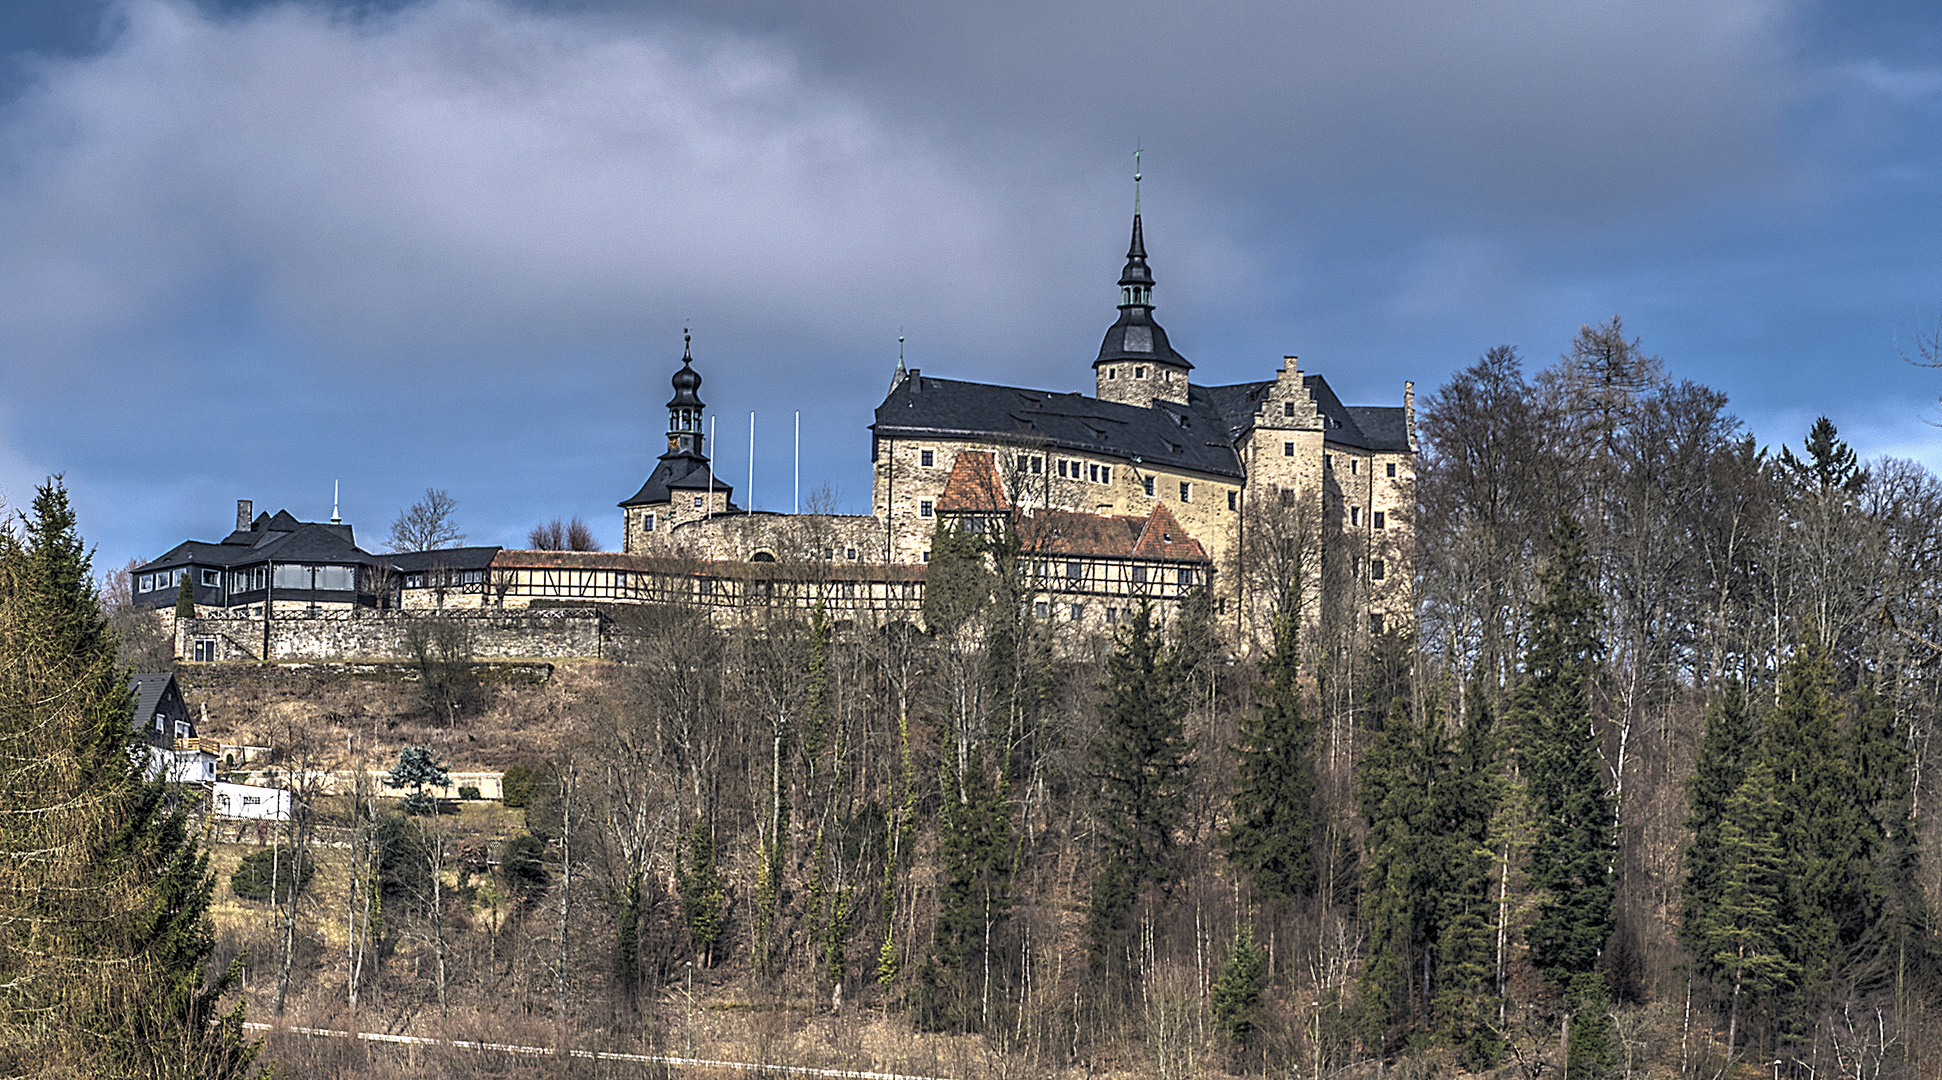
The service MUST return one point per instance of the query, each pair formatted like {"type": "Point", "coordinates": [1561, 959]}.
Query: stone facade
{"type": "Point", "coordinates": [536, 634]}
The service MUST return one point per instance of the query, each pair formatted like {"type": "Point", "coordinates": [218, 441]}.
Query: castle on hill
{"type": "Point", "coordinates": [1151, 486]}
{"type": "Point", "coordinates": [1141, 493]}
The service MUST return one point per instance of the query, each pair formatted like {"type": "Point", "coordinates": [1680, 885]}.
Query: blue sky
{"type": "Point", "coordinates": [250, 249]}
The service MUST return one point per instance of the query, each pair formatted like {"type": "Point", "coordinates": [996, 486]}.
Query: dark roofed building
{"type": "Point", "coordinates": [268, 558]}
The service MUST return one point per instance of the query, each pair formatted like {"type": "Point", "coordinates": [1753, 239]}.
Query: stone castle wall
{"type": "Point", "coordinates": [517, 634]}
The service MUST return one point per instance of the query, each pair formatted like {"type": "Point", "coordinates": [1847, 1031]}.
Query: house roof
{"type": "Point", "coordinates": [973, 485]}
{"type": "Point", "coordinates": [1157, 536]}
{"type": "Point", "coordinates": [1189, 437]}
{"type": "Point", "coordinates": [458, 558]}
{"type": "Point", "coordinates": [817, 570]}
{"type": "Point", "coordinates": [149, 690]}
{"type": "Point", "coordinates": [1367, 427]}
{"type": "Point", "coordinates": [281, 537]}
{"type": "Point", "coordinates": [677, 472]}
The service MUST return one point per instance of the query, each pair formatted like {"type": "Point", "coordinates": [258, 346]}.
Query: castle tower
{"type": "Point", "coordinates": [682, 487]}
{"type": "Point", "coordinates": [1136, 365]}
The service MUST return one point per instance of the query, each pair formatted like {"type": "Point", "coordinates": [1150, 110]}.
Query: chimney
{"type": "Point", "coordinates": [243, 515]}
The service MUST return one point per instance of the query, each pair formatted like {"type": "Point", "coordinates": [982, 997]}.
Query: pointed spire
{"type": "Point", "coordinates": [897, 378]}
{"type": "Point", "coordinates": [334, 519]}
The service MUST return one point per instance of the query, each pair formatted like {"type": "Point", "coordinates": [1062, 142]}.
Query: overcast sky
{"type": "Point", "coordinates": [249, 249]}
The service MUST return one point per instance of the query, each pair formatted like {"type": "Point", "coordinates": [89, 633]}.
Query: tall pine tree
{"type": "Point", "coordinates": [105, 937]}
{"type": "Point", "coordinates": [1271, 835]}
{"type": "Point", "coordinates": [1572, 853]}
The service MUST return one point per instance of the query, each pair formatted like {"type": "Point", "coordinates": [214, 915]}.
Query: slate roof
{"type": "Point", "coordinates": [677, 472]}
{"type": "Point", "coordinates": [459, 558]}
{"type": "Point", "coordinates": [1156, 536]}
{"type": "Point", "coordinates": [282, 538]}
{"type": "Point", "coordinates": [1179, 436]}
{"type": "Point", "coordinates": [148, 690]}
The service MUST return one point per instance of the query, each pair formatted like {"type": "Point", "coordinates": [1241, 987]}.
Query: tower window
{"type": "Point", "coordinates": [647, 523]}
{"type": "Point", "coordinates": [697, 502]}
{"type": "Point", "coordinates": [1233, 500]}
{"type": "Point", "coordinates": [1375, 624]}
{"type": "Point", "coordinates": [1186, 492]}
{"type": "Point", "coordinates": [1105, 474]}
{"type": "Point", "coordinates": [1379, 518]}
{"type": "Point", "coordinates": [1092, 473]}
{"type": "Point", "coordinates": [1038, 609]}
{"type": "Point", "coordinates": [1078, 612]}
{"type": "Point", "coordinates": [1390, 469]}
{"type": "Point", "coordinates": [1355, 515]}
{"type": "Point", "coordinates": [1287, 408]}
{"type": "Point", "coordinates": [849, 553]}
{"type": "Point", "coordinates": [1139, 373]}
{"type": "Point", "coordinates": [1038, 464]}
{"type": "Point", "coordinates": [1111, 374]}
{"type": "Point", "coordinates": [1148, 482]}
{"type": "Point", "coordinates": [1355, 467]}
{"type": "Point", "coordinates": [1375, 569]}
{"type": "Point", "coordinates": [924, 507]}
{"type": "Point", "coordinates": [1287, 449]}
{"type": "Point", "coordinates": [926, 458]}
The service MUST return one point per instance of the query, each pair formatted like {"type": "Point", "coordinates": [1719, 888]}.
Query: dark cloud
{"type": "Point", "coordinates": [250, 248]}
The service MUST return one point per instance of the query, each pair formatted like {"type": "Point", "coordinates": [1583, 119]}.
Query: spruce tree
{"type": "Point", "coordinates": [1271, 833]}
{"type": "Point", "coordinates": [1830, 841]}
{"type": "Point", "coordinates": [1236, 996]}
{"type": "Point", "coordinates": [185, 598]}
{"type": "Point", "coordinates": [1728, 749]}
{"type": "Point", "coordinates": [1141, 762]}
{"type": "Point", "coordinates": [1572, 853]}
{"type": "Point", "coordinates": [1738, 936]}
{"type": "Point", "coordinates": [105, 938]}
{"type": "Point", "coordinates": [1395, 787]}
{"type": "Point", "coordinates": [1467, 803]}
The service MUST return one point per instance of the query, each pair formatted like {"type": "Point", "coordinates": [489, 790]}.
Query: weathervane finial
{"type": "Point", "coordinates": [686, 338]}
{"type": "Point", "coordinates": [1136, 178]}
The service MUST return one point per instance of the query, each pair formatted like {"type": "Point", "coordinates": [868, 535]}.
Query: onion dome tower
{"type": "Point", "coordinates": [1136, 364]}
{"type": "Point", "coordinates": [682, 487]}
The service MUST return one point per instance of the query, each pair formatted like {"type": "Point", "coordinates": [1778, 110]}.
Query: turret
{"type": "Point", "coordinates": [1136, 365]}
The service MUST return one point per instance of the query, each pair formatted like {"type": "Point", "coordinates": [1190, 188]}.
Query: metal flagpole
{"type": "Point", "coordinates": [710, 512]}
{"type": "Point", "coordinates": [751, 463]}
{"type": "Point", "coordinates": [798, 461]}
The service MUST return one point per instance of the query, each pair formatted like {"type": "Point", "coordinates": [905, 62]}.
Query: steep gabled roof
{"type": "Point", "coordinates": [149, 690]}
{"type": "Point", "coordinates": [1161, 537]}
{"type": "Point", "coordinates": [459, 558]}
{"type": "Point", "coordinates": [973, 485]}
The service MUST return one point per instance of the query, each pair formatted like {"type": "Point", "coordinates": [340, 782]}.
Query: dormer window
{"type": "Point", "coordinates": [1139, 373]}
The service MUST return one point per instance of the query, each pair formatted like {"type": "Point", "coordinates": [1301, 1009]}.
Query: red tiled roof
{"type": "Point", "coordinates": [818, 570]}
{"type": "Point", "coordinates": [973, 484]}
{"type": "Point", "coordinates": [1163, 538]}
{"type": "Point", "coordinates": [1068, 532]}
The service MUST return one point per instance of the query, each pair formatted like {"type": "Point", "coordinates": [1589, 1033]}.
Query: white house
{"type": "Point", "coordinates": [248, 801]}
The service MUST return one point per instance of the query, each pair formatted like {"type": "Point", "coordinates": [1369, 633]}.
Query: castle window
{"type": "Point", "coordinates": [1375, 624]}
{"type": "Point", "coordinates": [1233, 500]}
{"type": "Point", "coordinates": [1355, 467]}
{"type": "Point", "coordinates": [620, 579]}
{"type": "Point", "coordinates": [1186, 576]}
{"type": "Point", "coordinates": [1220, 606]}
{"type": "Point", "coordinates": [1355, 515]}
{"type": "Point", "coordinates": [1287, 408]}
{"type": "Point", "coordinates": [1139, 575]}
{"type": "Point", "coordinates": [1148, 482]}
{"type": "Point", "coordinates": [697, 502]}
{"type": "Point", "coordinates": [1186, 492]}
{"type": "Point", "coordinates": [924, 508]}
{"type": "Point", "coordinates": [927, 555]}
{"type": "Point", "coordinates": [1038, 609]}
{"type": "Point", "coordinates": [1072, 570]}
{"type": "Point", "coordinates": [1078, 612]}
{"type": "Point", "coordinates": [1287, 449]}
{"type": "Point", "coordinates": [926, 458]}
{"type": "Point", "coordinates": [1390, 469]}
{"type": "Point", "coordinates": [211, 578]}
{"type": "Point", "coordinates": [145, 584]}
{"type": "Point", "coordinates": [1375, 569]}
{"type": "Point", "coordinates": [1379, 518]}
{"type": "Point", "coordinates": [706, 586]}
{"type": "Point", "coordinates": [1112, 616]}
{"type": "Point", "coordinates": [1111, 374]}
{"type": "Point", "coordinates": [1093, 473]}
{"type": "Point", "coordinates": [1105, 474]}
{"type": "Point", "coordinates": [1038, 465]}
{"type": "Point", "coordinates": [1139, 373]}
{"type": "Point", "coordinates": [849, 553]}
{"type": "Point", "coordinates": [647, 522]}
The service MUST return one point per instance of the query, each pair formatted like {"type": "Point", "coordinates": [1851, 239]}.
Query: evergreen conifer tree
{"type": "Point", "coordinates": [1572, 853]}
{"type": "Point", "coordinates": [105, 938]}
{"type": "Point", "coordinates": [1739, 940]}
{"type": "Point", "coordinates": [1236, 996]}
{"type": "Point", "coordinates": [1395, 789]}
{"type": "Point", "coordinates": [1142, 762]}
{"type": "Point", "coordinates": [1271, 834]}
{"type": "Point", "coordinates": [185, 599]}
{"type": "Point", "coordinates": [1727, 750]}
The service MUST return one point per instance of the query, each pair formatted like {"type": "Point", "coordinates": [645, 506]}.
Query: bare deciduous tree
{"type": "Point", "coordinates": [428, 524]}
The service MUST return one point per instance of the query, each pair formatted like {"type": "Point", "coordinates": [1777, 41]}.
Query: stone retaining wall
{"type": "Point", "coordinates": [517, 634]}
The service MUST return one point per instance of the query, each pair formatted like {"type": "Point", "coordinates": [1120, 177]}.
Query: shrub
{"type": "Point", "coordinates": [469, 792]}
{"type": "Point", "coordinates": [522, 864]}
{"type": "Point", "coordinates": [251, 881]}
{"type": "Point", "coordinates": [516, 786]}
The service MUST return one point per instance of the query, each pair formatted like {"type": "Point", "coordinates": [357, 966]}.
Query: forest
{"type": "Point", "coordinates": [1639, 791]}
